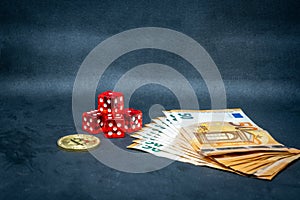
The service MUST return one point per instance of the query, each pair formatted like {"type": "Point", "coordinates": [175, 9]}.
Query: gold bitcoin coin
{"type": "Point", "coordinates": [78, 142]}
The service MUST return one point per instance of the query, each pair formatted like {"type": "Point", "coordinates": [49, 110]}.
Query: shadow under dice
{"type": "Point", "coordinates": [91, 122]}
{"type": "Point", "coordinates": [110, 102]}
{"type": "Point", "coordinates": [133, 120]}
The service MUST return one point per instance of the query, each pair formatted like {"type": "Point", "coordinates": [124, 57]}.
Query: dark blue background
{"type": "Point", "coordinates": [255, 45]}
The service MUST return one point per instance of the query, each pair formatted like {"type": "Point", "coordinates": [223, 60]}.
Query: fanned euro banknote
{"type": "Point", "coordinates": [223, 139]}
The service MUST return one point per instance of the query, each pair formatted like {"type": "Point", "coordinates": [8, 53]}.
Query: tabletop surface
{"type": "Point", "coordinates": [254, 45]}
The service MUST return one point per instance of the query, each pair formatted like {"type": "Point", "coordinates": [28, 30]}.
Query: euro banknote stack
{"type": "Point", "coordinates": [223, 139]}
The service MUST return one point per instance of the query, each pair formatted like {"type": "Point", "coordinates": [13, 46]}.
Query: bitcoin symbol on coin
{"type": "Point", "coordinates": [78, 142]}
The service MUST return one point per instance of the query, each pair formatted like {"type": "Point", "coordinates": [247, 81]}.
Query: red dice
{"type": "Point", "coordinates": [113, 126]}
{"type": "Point", "coordinates": [91, 122]}
{"type": "Point", "coordinates": [110, 102]}
{"type": "Point", "coordinates": [133, 120]}
{"type": "Point", "coordinates": [111, 118]}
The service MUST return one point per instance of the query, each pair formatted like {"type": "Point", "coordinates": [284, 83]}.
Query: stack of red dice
{"type": "Point", "coordinates": [111, 118]}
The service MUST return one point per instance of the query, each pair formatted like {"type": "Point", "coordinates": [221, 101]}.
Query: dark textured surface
{"type": "Point", "coordinates": [254, 44]}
